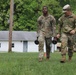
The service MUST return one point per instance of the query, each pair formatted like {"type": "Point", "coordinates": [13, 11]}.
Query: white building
{"type": "Point", "coordinates": [22, 41]}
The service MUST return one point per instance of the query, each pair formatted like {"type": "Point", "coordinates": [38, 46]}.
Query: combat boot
{"type": "Point", "coordinates": [70, 58]}
{"type": "Point", "coordinates": [63, 59]}
{"type": "Point", "coordinates": [40, 59]}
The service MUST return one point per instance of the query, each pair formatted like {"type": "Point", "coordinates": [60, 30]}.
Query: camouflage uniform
{"type": "Point", "coordinates": [67, 23]}
{"type": "Point", "coordinates": [74, 46]}
{"type": "Point", "coordinates": [46, 28]}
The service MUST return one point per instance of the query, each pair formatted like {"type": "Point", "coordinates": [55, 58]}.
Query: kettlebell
{"type": "Point", "coordinates": [54, 41]}
{"type": "Point", "coordinates": [36, 41]}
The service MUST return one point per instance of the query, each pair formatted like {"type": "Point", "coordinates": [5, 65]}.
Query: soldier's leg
{"type": "Point", "coordinates": [70, 47]}
{"type": "Point", "coordinates": [41, 46]}
{"type": "Point", "coordinates": [48, 47]}
{"type": "Point", "coordinates": [64, 40]}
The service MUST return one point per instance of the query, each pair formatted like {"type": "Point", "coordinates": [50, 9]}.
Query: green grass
{"type": "Point", "coordinates": [27, 64]}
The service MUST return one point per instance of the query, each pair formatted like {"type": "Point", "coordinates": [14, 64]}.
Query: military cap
{"type": "Point", "coordinates": [66, 7]}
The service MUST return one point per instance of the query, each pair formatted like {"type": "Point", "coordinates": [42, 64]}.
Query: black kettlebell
{"type": "Point", "coordinates": [54, 41]}
{"type": "Point", "coordinates": [36, 41]}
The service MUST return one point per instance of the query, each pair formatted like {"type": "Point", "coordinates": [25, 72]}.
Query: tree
{"type": "Point", "coordinates": [4, 14]}
{"type": "Point", "coordinates": [26, 12]}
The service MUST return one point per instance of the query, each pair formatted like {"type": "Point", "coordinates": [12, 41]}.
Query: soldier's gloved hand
{"type": "Point", "coordinates": [58, 36]}
{"type": "Point", "coordinates": [72, 32]}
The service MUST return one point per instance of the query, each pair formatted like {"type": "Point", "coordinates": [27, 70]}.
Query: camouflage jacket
{"type": "Point", "coordinates": [67, 23]}
{"type": "Point", "coordinates": [47, 25]}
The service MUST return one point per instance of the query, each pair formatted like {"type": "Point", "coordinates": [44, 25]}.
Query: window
{"type": "Point", "coordinates": [12, 45]}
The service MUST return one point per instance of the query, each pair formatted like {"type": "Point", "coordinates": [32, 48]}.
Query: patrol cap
{"type": "Point", "coordinates": [66, 8]}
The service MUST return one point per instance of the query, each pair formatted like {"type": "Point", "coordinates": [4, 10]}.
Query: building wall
{"type": "Point", "coordinates": [18, 46]}
{"type": "Point", "coordinates": [32, 47]}
{"type": "Point", "coordinates": [3, 46]}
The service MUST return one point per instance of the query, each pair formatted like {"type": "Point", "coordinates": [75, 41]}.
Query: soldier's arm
{"type": "Point", "coordinates": [74, 30]}
{"type": "Point", "coordinates": [75, 24]}
{"type": "Point", "coordinates": [54, 27]}
{"type": "Point", "coordinates": [59, 27]}
{"type": "Point", "coordinates": [38, 25]}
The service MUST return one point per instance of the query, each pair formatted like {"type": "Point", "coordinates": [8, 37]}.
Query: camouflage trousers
{"type": "Point", "coordinates": [67, 44]}
{"type": "Point", "coordinates": [42, 39]}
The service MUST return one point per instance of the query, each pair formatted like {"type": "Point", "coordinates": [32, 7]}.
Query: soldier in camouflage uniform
{"type": "Point", "coordinates": [67, 27]}
{"type": "Point", "coordinates": [46, 29]}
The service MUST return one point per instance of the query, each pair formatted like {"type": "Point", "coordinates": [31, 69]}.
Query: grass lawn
{"type": "Point", "coordinates": [27, 64]}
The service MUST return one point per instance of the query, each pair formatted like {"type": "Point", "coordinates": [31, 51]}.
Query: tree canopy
{"type": "Point", "coordinates": [26, 12]}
